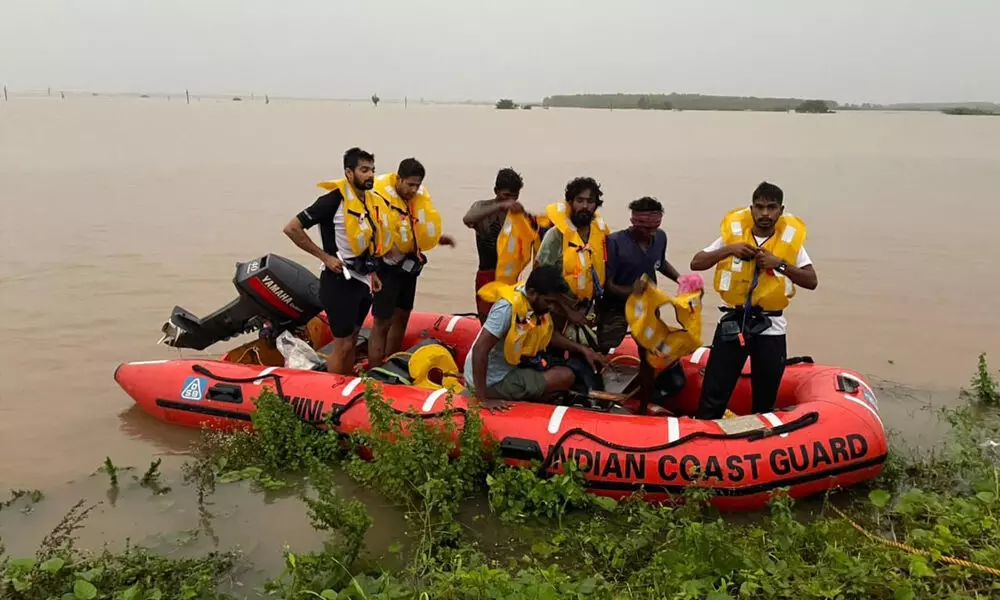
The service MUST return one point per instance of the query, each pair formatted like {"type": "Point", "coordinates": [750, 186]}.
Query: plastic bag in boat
{"type": "Point", "coordinates": [297, 352]}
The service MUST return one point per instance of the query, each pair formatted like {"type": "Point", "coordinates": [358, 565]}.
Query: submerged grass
{"type": "Point", "coordinates": [927, 508]}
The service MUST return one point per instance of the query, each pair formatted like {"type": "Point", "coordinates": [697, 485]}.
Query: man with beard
{"type": "Point", "coordinates": [506, 362]}
{"type": "Point", "coordinates": [575, 245]}
{"type": "Point", "coordinates": [759, 260]}
{"type": "Point", "coordinates": [486, 217]}
{"type": "Point", "coordinates": [356, 230]}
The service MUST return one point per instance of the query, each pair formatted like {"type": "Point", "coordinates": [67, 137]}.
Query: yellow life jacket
{"type": "Point", "coordinates": [517, 244]}
{"type": "Point", "coordinates": [416, 220]}
{"type": "Point", "coordinates": [581, 261]}
{"type": "Point", "coordinates": [733, 276]}
{"type": "Point", "coordinates": [664, 344]}
{"type": "Point", "coordinates": [529, 334]}
{"type": "Point", "coordinates": [369, 221]}
{"type": "Point", "coordinates": [431, 357]}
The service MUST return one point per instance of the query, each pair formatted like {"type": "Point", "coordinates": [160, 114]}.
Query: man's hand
{"type": "Point", "coordinates": [512, 206]}
{"type": "Point", "coordinates": [767, 261]}
{"type": "Point", "coordinates": [639, 286]}
{"type": "Point", "coordinates": [742, 250]}
{"type": "Point", "coordinates": [491, 405]}
{"type": "Point", "coordinates": [447, 240]}
{"type": "Point", "coordinates": [334, 264]}
{"type": "Point", "coordinates": [596, 361]}
{"type": "Point", "coordinates": [376, 283]}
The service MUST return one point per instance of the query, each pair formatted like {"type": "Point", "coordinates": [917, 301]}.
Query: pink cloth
{"type": "Point", "coordinates": [690, 282]}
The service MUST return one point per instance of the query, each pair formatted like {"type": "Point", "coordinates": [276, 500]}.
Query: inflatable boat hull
{"type": "Point", "coordinates": [826, 431]}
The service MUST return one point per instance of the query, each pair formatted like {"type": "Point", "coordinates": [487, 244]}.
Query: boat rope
{"type": "Point", "coordinates": [754, 435]}
{"type": "Point", "coordinates": [917, 551]}
{"type": "Point", "coordinates": [275, 376]}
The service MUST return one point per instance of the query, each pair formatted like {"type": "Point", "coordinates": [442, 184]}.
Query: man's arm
{"type": "Point", "coordinates": [594, 359]}
{"type": "Point", "coordinates": [804, 277]}
{"type": "Point", "coordinates": [709, 257]}
{"type": "Point", "coordinates": [480, 360]}
{"type": "Point", "coordinates": [481, 210]}
{"type": "Point", "coordinates": [324, 208]}
{"type": "Point", "coordinates": [801, 273]}
{"type": "Point", "coordinates": [669, 271]}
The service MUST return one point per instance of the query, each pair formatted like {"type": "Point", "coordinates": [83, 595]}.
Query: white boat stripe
{"type": "Point", "coordinates": [451, 324]}
{"type": "Point", "coordinates": [432, 398]}
{"type": "Point", "coordinates": [696, 356]}
{"type": "Point", "coordinates": [555, 421]}
{"type": "Point", "coordinates": [673, 430]}
{"type": "Point", "coordinates": [148, 362]}
{"type": "Point", "coordinates": [261, 375]}
{"type": "Point", "coordinates": [869, 408]}
{"type": "Point", "coordinates": [774, 421]}
{"type": "Point", "coordinates": [350, 387]}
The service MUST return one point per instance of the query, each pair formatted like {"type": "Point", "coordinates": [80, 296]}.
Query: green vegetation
{"type": "Point", "coordinates": [676, 102]}
{"type": "Point", "coordinates": [813, 106]}
{"type": "Point", "coordinates": [965, 110]}
{"type": "Point", "coordinates": [506, 104]}
{"type": "Point", "coordinates": [375, 100]}
{"type": "Point", "coordinates": [942, 506]}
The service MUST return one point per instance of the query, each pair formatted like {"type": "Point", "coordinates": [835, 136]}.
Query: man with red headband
{"type": "Point", "coordinates": [640, 249]}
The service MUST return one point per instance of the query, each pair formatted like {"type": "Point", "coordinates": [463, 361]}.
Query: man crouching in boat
{"type": "Point", "coordinates": [759, 260]}
{"type": "Point", "coordinates": [506, 362]}
{"type": "Point", "coordinates": [417, 230]}
{"type": "Point", "coordinates": [575, 245]}
{"type": "Point", "coordinates": [356, 230]}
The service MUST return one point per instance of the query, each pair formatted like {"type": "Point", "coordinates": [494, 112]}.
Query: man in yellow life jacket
{"type": "Point", "coordinates": [575, 244]}
{"type": "Point", "coordinates": [417, 229]}
{"type": "Point", "coordinates": [759, 259]}
{"type": "Point", "coordinates": [506, 361]}
{"type": "Point", "coordinates": [355, 229]}
{"type": "Point", "coordinates": [486, 217]}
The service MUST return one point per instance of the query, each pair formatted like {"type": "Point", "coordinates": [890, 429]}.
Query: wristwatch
{"type": "Point", "coordinates": [782, 267]}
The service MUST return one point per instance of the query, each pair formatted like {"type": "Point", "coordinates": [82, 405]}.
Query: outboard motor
{"type": "Point", "coordinates": [272, 290]}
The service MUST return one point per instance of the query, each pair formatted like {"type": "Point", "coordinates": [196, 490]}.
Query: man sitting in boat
{"type": "Point", "coordinates": [575, 245]}
{"type": "Point", "coordinates": [356, 229]}
{"type": "Point", "coordinates": [486, 217]}
{"type": "Point", "coordinates": [759, 259]}
{"type": "Point", "coordinates": [631, 253]}
{"type": "Point", "coordinates": [418, 230]}
{"type": "Point", "coordinates": [506, 361]}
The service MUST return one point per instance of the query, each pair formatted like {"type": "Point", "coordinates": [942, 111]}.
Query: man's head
{"type": "Point", "coordinates": [409, 177]}
{"type": "Point", "coordinates": [508, 185]}
{"type": "Point", "coordinates": [359, 168]}
{"type": "Point", "coordinates": [647, 214]}
{"type": "Point", "coordinates": [766, 206]}
{"type": "Point", "coordinates": [544, 287]}
{"type": "Point", "coordinates": [584, 198]}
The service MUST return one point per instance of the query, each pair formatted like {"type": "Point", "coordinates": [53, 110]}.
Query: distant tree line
{"type": "Point", "coordinates": [677, 102]}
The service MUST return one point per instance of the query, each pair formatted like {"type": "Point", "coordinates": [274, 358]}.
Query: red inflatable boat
{"type": "Point", "coordinates": [825, 432]}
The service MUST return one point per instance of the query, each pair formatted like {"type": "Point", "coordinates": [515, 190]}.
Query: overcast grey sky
{"type": "Point", "coordinates": [845, 50]}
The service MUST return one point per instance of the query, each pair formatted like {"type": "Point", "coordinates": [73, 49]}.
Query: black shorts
{"type": "Point", "coordinates": [399, 288]}
{"type": "Point", "coordinates": [346, 302]}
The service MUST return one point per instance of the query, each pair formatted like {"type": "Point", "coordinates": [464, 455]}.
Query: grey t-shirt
{"type": "Point", "coordinates": [498, 324]}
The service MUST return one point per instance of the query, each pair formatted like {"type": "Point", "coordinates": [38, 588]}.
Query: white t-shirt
{"type": "Point", "coordinates": [778, 324]}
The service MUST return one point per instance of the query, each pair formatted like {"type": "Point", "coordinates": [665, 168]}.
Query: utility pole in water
{"type": "Point", "coordinates": [5, 94]}
{"type": "Point", "coordinates": [187, 96]}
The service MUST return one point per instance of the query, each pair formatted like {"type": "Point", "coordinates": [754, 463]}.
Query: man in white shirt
{"type": "Point", "coordinates": [758, 260]}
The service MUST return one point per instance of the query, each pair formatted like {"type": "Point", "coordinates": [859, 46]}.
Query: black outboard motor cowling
{"type": "Point", "coordinates": [272, 289]}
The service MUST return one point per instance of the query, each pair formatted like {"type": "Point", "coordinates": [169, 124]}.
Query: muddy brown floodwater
{"type": "Point", "coordinates": [114, 210]}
